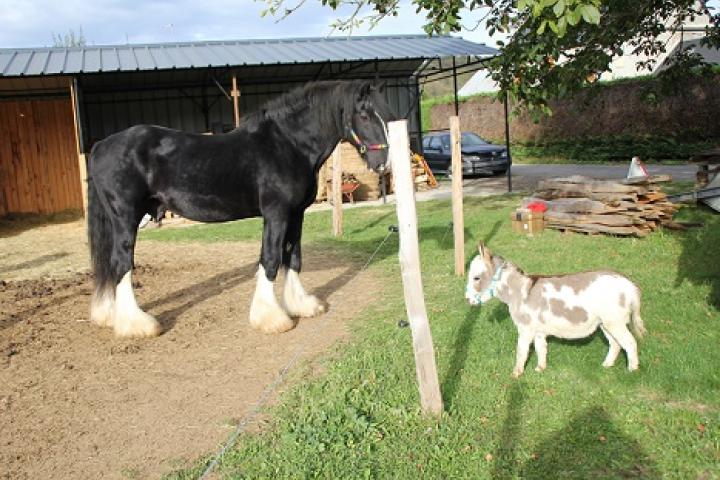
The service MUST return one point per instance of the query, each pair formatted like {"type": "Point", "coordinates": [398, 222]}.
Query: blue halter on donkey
{"type": "Point", "coordinates": [266, 167]}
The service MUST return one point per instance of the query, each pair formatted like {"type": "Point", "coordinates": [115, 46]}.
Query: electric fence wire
{"type": "Point", "coordinates": [270, 389]}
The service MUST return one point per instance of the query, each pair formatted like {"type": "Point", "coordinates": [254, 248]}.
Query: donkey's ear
{"type": "Point", "coordinates": [481, 247]}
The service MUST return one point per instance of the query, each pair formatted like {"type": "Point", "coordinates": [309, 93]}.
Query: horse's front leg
{"type": "Point", "coordinates": [266, 314]}
{"type": "Point", "coordinates": [296, 300]}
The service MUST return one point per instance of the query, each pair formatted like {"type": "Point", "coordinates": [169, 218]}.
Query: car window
{"type": "Point", "coordinates": [471, 139]}
{"type": "Point", "coordinates": [446, 141]}
{"type": "Point", "coordinates": [435, 143]}
{"type": "Point", "coordinates": [426, 142]}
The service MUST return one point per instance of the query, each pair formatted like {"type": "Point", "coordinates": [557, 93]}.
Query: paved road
{"type": "Point", "coordinates": [526, 177]}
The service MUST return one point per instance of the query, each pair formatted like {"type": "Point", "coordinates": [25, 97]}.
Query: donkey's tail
{"type": "Point", "coordinates": [100, 239]}
{"type": "Point", "coordinates": [637, 321]}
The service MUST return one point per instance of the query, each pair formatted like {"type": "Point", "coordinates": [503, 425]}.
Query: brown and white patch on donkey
{"type": "Point", "coordinates": [564, 306]}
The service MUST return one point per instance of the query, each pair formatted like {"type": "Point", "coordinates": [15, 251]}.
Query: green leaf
{"type": "Point", "coordinates": [559, 8]}
{"type": "Point", "coordinates": [542, 26]}
{"type": "Point", "coordinates": [590, 13]}
{"type": "Point", "coordinates": [573, 16]}
{"type": "Point", "coordinates": [523, 4]}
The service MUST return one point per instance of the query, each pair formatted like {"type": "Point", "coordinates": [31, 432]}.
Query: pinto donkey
{"type": "Point", "coordinates": [266, 167]}
{"type": "Point", "coordinates": [564, 306]}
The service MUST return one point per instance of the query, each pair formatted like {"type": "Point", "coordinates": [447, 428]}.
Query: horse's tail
{"type": "Point", "coordinates": [101, 246]}
{"type": "Point", "coordinates": [637, 321]}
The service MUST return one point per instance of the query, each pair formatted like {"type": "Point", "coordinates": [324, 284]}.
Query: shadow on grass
{"type": "Point", "coordinates": [590, 446]}
{"type": "Point", "coordinates": [698, 261]}
{"type": "Point", "coordinates": [506, 464]}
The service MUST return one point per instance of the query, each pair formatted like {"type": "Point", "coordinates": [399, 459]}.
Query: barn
{"type": "Point", "coordinates": [56, 102]}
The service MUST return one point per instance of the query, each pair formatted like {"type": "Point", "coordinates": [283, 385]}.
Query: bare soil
{"type": "Point", "coordinates": [76, 402]}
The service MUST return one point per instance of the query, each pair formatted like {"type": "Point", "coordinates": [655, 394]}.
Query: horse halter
{"type": "Point", "coordinates": [362, 146]}
{"type": "Point", "coordinates": [490, 290]}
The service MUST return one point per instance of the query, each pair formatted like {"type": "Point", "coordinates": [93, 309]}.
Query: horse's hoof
{"type": "Point", "coordinates": [275, 324]}
{"type": "Point", "coordinates": [136, 324]}
{"type": "Point", "coordinates": [102, 310]}
{"type": "Point", "coordinates": [309, 306]}
{"type": "Point", "coordinates": [608, 364]}
{"type": "Point", "coordinates": [516, 373]}
{"type": "Point", "coordinates": [539, 369]}
{"type": "Point", "coordinates": [633, 368]}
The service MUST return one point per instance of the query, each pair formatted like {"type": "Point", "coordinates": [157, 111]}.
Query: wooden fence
{"type": "Point", "coordinates": [39, 170]}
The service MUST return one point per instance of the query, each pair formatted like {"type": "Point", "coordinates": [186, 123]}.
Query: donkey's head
{"type": "Point", "coordinates": [482, 277]}
{"type": "Point", "coordinates": [366, 127]}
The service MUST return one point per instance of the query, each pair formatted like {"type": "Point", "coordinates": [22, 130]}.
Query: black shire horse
{"type": "Point", "coordinates": [267, 166]}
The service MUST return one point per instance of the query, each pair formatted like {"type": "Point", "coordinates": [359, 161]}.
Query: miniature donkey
{"type": "Point", "coordinates": [564, 306]}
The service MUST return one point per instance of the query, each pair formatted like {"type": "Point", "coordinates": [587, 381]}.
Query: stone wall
{"type": "Point", "coordinates": [621, 109]}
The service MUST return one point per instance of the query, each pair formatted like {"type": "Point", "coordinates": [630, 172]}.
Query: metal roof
{"type": "Point", "coordinates": [168, 56]}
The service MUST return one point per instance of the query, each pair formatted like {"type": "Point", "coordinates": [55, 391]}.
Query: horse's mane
{"type": "Point", "coordinates": [329, 95]}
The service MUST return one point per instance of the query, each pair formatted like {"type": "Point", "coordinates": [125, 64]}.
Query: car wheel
{"type": "Point", "coordinates": [501, 171]}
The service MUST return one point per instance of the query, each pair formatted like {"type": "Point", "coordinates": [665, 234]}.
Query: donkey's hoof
{"type": "Point", "coordinates": [633, 368]}
{"type": "Point", "coordinates": [539, 369]}
{"type": "Point", "coordinates": [516, 373]}
{"type": "Point", "coordinates": [136, 324]}
{"type": "Point", "coordinates": [608, 364]}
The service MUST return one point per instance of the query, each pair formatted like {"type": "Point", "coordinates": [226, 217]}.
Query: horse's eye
{"type": "Point", "coordinates": [477, 279]}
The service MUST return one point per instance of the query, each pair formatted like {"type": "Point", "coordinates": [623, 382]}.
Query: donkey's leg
{"type": "Point", "coordinates": [296, 301]}
{"type": "Point", "coordinates": [129, 320]}
{"type": "Point", "coordinates": [623, 336]}
{"type": "Point", "coordinates": [266, 314]}
{"type": "Point", "coordinates": [523, 348]}
{"type": "Point", "coordinates": [613, 351]}
{"type": "Point", "coordinates": [541, 351]}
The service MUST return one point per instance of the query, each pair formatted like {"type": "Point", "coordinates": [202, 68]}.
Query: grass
{"type": "Point", "coordinates": [361, 419]}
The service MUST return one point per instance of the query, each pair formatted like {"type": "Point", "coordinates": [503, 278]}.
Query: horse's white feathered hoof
{"type": "Point", "coordinates": [102, 309]}
{"type": "Point", "coordinates": [136, 324]}
{"type": "Point", "coordinates": [306, 306]}
{"type": "Point", "coordinates": [268, 317]}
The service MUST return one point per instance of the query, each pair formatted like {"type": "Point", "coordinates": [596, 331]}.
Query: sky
{"type": "Point", "coordinates": [32, 23]}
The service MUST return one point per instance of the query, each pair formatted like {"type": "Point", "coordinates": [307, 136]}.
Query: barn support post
{"type": "Point", "coordinates": [82, 163]}
{"type": "Point", "coordinates": [409, 255]}
{"type": "Point", "coordinates": [236, 100]}
{"type": "Point", "coordinates": [337, 215]}
{"type": "Point", "coordinates": [457, 196]}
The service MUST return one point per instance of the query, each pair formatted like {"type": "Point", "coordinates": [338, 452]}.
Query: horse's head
{"type": "Point", "coordinates": [366, 126]}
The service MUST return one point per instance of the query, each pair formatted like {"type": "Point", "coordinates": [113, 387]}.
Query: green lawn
{"type": "Point", "coordinates": [360, 418]}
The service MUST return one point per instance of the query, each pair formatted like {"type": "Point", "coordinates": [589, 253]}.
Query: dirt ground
{"type": "Point", "coordinates": [75, 402]}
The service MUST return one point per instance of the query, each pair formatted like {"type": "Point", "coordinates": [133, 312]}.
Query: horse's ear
{"type": "Point", "coordinates": [363, 91]}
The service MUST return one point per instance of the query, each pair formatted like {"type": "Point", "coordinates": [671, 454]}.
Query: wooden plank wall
{"type": "Point", "coordinates": [38, 159]}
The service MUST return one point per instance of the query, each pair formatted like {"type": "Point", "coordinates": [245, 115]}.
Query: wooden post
{"type": "Point", "coordinates": [235, 93]}
{"type": "Point", "coordinates": [457, 197]}
{"type": "Point", "coordinates": [430, 399]}
{"type": "Point", "coordinates": [337, 190]}
{"type": "Point", "coordinates": [82, 164]}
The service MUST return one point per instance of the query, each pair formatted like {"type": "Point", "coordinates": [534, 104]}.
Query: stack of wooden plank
{"type": "Point", "coordinates": [634, 206]}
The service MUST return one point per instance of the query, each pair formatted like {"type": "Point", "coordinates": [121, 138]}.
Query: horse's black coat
{"type": "Point", "coordinates": [267, 166]}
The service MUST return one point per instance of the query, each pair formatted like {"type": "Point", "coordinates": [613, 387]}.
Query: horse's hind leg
{"type": "Point", "coordinates": [128, 319]}
{"type": "Point", "coordinates": [266, 314]}
{"type": "Point", "coordinates": [296, 301]}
